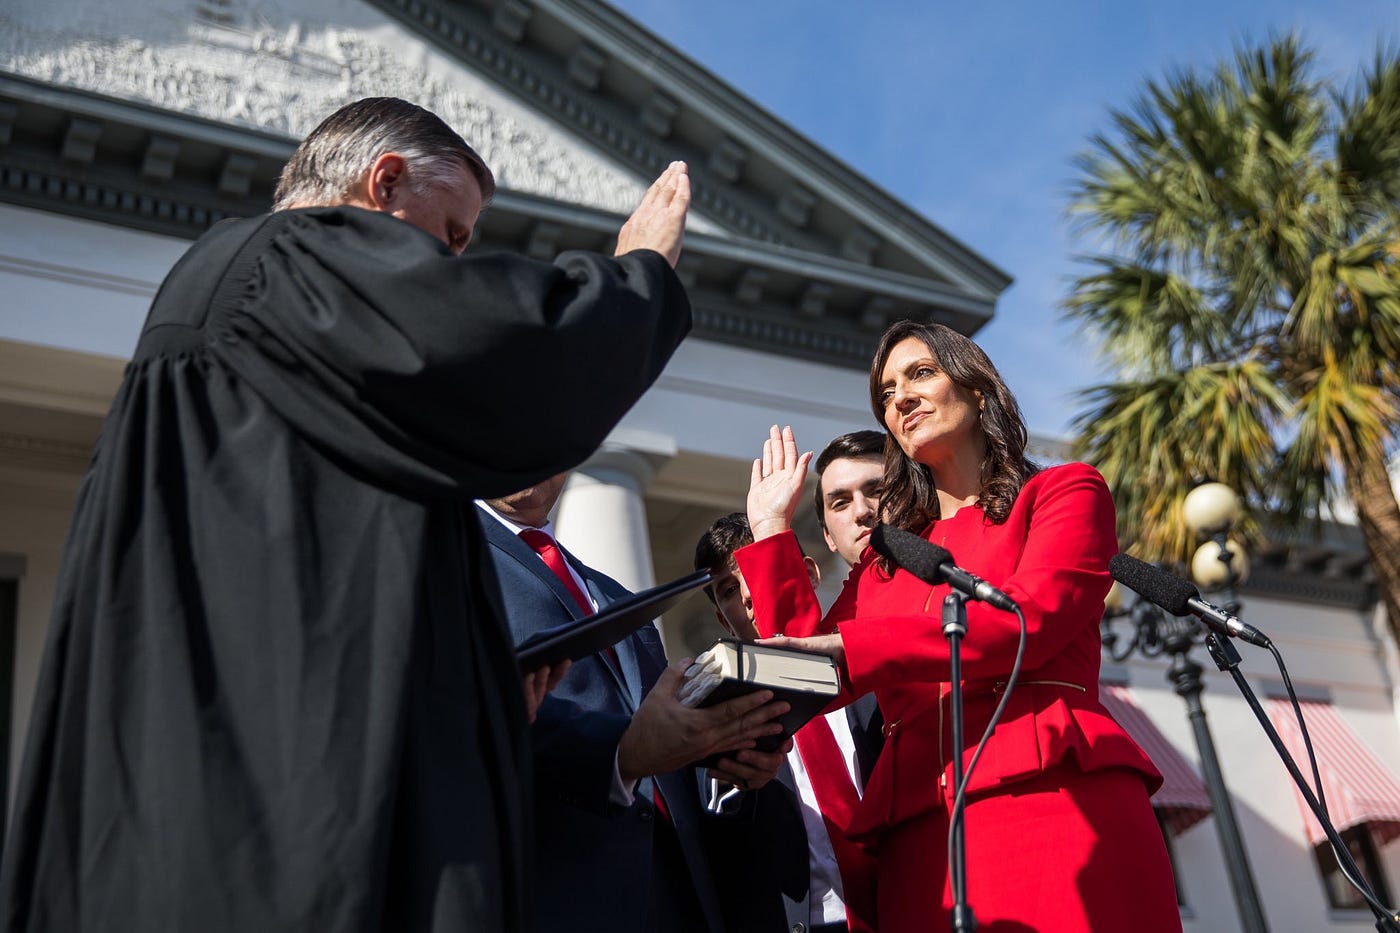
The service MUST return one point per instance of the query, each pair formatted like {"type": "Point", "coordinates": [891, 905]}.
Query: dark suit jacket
{"type": "Point", "coordinates": [758, 848]}
{"type": "Point", "coordinates": [760, 854]}
{"type": "Point", "coordinates": [273, 694]}
{"type": "Point", "coordinates": [595, 862]}
{"type": "Point", "coordinates": [868, 731]}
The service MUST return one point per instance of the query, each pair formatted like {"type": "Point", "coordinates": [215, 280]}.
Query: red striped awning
{"type": "Point", "coordinates": [1182, 799]}
{"type": "Point", "coordinates": [1359, 788]}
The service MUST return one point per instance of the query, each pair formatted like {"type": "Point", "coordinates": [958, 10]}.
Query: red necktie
{"type": "Point", "coordinates": [543, 545]}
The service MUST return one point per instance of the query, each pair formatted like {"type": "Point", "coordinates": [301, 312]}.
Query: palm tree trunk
{"type": "Point", "coordinates": [1368, 484]}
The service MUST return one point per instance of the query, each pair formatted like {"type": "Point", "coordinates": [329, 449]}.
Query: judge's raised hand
{"type": "Point", "coordinates": [775, 485]}
{"type": "Point", "coordinates": [665, 734]}
{"type": "Point", "coordinates": [658, 223]}
{"type": "Point", "coordinates": [539, 682]}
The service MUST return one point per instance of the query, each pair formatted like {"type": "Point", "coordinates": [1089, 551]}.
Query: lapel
{"type": "Point", "coordinates": [522, 554]}
{"type": "Point", "coordinates": [515, 549]}
{"type": "Point", "coordinates": [626, 672]}
{"type": "Point", "coordinates": [867, 732]}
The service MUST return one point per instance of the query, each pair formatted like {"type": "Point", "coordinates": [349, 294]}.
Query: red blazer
{"type": "Point", "coordinates": [1051, 556]}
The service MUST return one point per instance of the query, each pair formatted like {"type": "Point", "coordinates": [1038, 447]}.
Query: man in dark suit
{"type": "Point", "coordinates": [617, 811]}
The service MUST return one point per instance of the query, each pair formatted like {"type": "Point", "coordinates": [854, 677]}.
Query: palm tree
{"type": "Point", "coordinates": [1247, 287]}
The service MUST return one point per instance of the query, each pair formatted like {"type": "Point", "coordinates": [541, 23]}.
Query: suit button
{"type": "Point", "coordinates": [799, 928]}
{"type": "Point", "coordinates": [645, 814]}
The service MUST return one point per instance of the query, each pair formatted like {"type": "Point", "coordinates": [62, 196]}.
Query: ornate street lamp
{"type": "Point", "coordinates": [1211, 511]}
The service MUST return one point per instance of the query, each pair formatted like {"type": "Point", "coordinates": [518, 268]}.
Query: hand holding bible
{"type": "Point", "coordinates": [665, 734]}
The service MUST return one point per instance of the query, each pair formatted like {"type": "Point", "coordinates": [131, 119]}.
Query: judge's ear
{"type": "Point", "coordinates": [383, 185]}
{"type": "Point", "coordinates": [813, 571]}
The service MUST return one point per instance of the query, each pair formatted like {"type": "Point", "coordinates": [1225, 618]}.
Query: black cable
{"type": "Point", "coordinates": [1345, 863]}
{"type": "Point", "coordinates": [961, 781]}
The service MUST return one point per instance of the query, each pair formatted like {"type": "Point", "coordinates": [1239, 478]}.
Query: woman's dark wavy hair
{"type": "Point", "coordinates": [908, 497]}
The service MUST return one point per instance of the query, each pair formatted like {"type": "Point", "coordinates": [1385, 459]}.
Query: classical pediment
{"type": "Point", "coordinates": [169, 114]}
{"type": "Point", "coordinates": [280, 67]}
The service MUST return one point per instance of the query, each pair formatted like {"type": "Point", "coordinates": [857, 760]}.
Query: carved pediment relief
{"type": "Point", "coordinates": [281, 66]}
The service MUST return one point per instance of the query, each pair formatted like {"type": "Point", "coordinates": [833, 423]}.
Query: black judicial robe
{"type": "Point", "coordinates": [274, 696]}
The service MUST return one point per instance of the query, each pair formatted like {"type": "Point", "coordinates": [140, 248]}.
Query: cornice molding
{"type": "Point", "coordinates": [74, 275]}
{"type": "Point", "coordinates": [55, 380]}
{"type": "Point", "coordinates": [807, 167]}
{"type": "Point", "coordinates": [770, 297]}
{"type": "Point", "coordinates": [1357, 591]}
{"type": "Point", "coordinates": [182, 194]}
{"type": "Point", "coordinates": [597, 72]}
{"type": "Point", "coordinates": [279, 66]}
{"type": "Point", "coordinates": [569, 90]}
{"type": "Point", "coordinates": [37, 453]}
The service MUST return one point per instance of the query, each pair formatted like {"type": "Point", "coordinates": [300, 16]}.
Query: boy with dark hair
{"type": "Point", "coordinates": [849, 471]}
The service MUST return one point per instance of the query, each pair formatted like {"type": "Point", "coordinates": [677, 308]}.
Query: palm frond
{"type": "Point", "coordinates": [1368, 140]}
{"type": "Point", "coordinates": [1143, 316]}
{"type": "Point", "coordinates": [1153, 439]}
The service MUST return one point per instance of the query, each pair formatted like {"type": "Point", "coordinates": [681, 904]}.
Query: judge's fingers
{"type": "Point", "coordinates": [680, 192]}
{"type": "Point", "coordinates": [652, 195]}
{"type": "Point", "coordinates": [663, 188]}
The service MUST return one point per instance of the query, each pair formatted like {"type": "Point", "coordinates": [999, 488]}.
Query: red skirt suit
{"type": "Point", "coordinates": [1060, 833]}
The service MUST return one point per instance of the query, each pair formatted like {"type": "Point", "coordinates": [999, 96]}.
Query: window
{"type": "Point", "coordinates": [1340, 893]}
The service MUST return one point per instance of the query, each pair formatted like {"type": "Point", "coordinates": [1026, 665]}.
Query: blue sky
{"type": "Point", "coordinates": [972, 113]}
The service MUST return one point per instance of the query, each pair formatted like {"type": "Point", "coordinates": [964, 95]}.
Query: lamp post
{"type": "Point", "coordinates": [1211, 511]}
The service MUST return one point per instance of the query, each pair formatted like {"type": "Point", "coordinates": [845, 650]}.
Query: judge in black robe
{"type": "Point", "coordinates": [274, 696]}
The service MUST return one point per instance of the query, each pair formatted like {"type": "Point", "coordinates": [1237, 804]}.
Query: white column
{"type": "Point", "coordinates": [601, 516]}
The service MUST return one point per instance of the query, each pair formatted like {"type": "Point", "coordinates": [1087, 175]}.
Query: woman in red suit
{"type": "Point", "coordinates": [1060, 833]}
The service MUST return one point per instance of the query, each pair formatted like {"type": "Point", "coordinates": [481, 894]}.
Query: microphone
{"type": "Point", "coordinates": [1180, 597]}
{"type": "Point", "coordinates": [934, 565]}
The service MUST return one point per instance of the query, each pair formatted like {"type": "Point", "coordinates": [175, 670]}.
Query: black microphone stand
{"type": "Point", "coordinates": [954, 628]}
{"type": "Point", "coordinates": [1227, 659]}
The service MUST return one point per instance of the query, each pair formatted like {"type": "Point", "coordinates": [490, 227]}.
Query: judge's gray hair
{"type": "Point", "coordinates": [335, 156]}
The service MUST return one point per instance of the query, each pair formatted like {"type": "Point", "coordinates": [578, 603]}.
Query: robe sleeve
{"type": "Point", "coordinates": [438, 374]}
